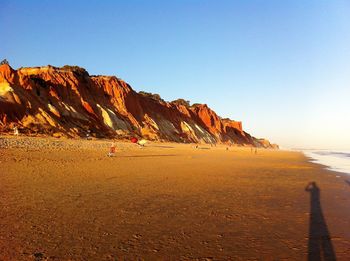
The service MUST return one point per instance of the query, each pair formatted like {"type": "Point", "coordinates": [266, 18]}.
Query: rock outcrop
{"type": "Point", "coordinates": [67, 101]}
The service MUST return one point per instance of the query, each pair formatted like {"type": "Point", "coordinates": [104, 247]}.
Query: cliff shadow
{"type": "Point", "coordinates": [320, 245]}
{"type": "Point", "coordinates": [161, 146]}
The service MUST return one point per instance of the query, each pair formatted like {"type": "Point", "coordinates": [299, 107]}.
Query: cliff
{"type": "Point", "coordinates": [67, 101]}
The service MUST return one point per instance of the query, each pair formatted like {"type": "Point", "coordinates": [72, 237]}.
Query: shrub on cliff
{"type": "Point", "coordinates": [4, 62]}
{"type": "Point", "coordinates": [76, 69]}
{"type": "Point", "coordinates": [153, 96]}
{"type": "Point", "coordinates": [181, 102]}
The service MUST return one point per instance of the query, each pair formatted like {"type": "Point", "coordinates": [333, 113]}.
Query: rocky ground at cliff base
{"type": "Point", "coordinates": [49, 143]}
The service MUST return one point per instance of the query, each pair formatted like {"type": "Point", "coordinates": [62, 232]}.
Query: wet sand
{"type": "Point", "coordinates": [66, 200]}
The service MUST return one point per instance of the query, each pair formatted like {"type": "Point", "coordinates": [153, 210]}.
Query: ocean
{"type": "Point", "coordinates": [334, 160]}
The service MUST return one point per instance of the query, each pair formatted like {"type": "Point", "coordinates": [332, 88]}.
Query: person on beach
{"type": "Point", "coordinates": [111, 150]}
{"type": "Point", "coordinates": [15, 131]}
{"type": "Point", "coordinates": [256, 151]}
{"type": "Point", "coordinates": [88, 137]}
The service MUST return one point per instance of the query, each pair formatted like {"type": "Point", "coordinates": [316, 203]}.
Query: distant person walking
{"type": "Point", "coordinates": [256, 151]}
{"type": "Point", "coordinates": [88, 137]}
{"type": "Point", "coordinates": [111, 150]}
{"type": "Point", "coordinates": [15, 131]}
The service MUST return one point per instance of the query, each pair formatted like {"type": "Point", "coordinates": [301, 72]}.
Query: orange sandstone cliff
{"type": "Point", "coordinates": [67, 101]}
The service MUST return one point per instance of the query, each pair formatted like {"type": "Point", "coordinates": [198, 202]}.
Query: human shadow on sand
{"type": "Point", "coordinates": [320, 245]}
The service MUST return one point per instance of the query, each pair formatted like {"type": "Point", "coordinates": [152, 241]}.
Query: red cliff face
{"type": "Point", "coordinates": [68, 101]}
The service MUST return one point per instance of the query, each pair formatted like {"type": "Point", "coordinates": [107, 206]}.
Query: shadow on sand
{"type": "Point", "coordinates": [161, 146]}
{"type": "Point", "coordinates": [348, 181]}
{"type": "Point", "coordinates": [320, 245]}
{"type": "Point", "coordinates": [148, 156]}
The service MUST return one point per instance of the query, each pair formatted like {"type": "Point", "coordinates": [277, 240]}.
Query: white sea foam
{"type": "Point", "coordinates": [334, 160]}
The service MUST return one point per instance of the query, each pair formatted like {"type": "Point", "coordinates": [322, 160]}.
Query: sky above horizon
{"type": "Point", "coordinates": [281, 67]}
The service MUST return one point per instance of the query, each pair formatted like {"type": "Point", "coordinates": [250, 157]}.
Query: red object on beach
{"type": "Point", "coordinates": [134, 140]}
{"type": "Point", "coordinates": [112, 148]}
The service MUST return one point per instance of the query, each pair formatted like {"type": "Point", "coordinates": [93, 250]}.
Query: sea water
{"type": "Point", "coordinates": [334, 160]}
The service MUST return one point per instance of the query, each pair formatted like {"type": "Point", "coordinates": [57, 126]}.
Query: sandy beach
{"type": "Point", "coordinates": [66, 200]}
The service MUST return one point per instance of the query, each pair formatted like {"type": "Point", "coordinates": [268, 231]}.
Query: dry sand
{"type": "Point", "coordinates": [66, 200]}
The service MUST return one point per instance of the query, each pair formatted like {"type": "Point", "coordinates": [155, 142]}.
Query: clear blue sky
{"type": "Point", "coordinates": [282, 67]}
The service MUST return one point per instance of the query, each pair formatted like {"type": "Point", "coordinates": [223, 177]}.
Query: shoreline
{"type": "Point", "coordinates": [328, 168]}
{"type": "Point", "coordinates": [167, 201]}
{"type": "Point", "coordinates": [341, 166]}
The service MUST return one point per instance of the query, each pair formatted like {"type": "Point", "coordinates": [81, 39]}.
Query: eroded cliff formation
{"type": "Point", "coordinates": [67, 101]}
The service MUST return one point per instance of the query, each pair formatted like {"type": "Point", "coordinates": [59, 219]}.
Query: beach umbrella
{"type": "Point", "coordinates": [142, 142]}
